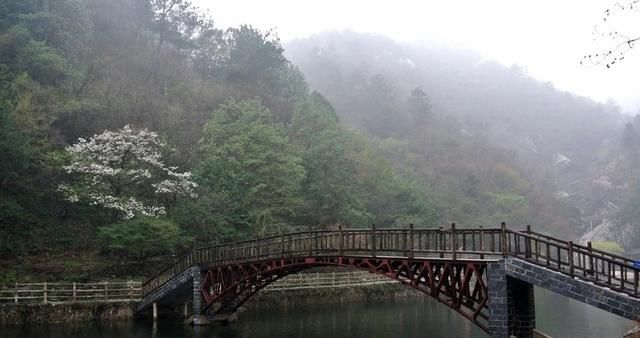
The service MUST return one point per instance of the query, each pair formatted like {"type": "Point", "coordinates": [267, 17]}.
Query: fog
{"type": "Point", "coordinates": [140, 128]}
{"type": "Point", "coordinates": [548, 38]}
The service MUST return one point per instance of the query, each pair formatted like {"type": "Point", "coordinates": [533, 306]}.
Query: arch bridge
{"type": "Point", "coordinates": [484, 274]}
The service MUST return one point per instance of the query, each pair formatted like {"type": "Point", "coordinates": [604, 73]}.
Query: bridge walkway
{"type": "Point", "coordinates": [447, 263]}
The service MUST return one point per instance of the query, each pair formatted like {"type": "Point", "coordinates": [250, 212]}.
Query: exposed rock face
{"type": "Point", "coordinates": [609, 231]}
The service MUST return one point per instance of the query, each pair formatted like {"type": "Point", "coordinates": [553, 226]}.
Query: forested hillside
{"type": "Point", "coordinates": [485, 120]}
{"type": "Point", "coordinates": [136, 128]}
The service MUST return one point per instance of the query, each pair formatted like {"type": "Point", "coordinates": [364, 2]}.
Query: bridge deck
{"type": "Point", "coordinates": [584, 262]}
{"type": "Point", "coordinates": [453, 258]}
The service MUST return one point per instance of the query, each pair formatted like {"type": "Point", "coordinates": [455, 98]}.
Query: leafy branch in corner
{"type": "Point", "coordinates": [619, 43]}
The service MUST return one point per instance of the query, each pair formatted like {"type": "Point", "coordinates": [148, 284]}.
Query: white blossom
{"type": "Point", "coordinates": [111, 167]}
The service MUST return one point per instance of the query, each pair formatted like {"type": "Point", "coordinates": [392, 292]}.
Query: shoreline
{"type": "Point", "coordinates": [16, 315]}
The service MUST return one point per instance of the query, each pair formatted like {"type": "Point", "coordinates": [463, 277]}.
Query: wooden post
{"type": "Point", "coordinates": [130, 287]}
{"type": "Point", "coordinates": [258, 249]}
{"type": "Point", "coordinates": [589, 246]}
{"type": "Point", "coordinates": [155, 311]}
{"type": "Point", "coordinates": [454, 241]}
{"type": "Point", "coordinates": [527, 243]}
{"type": "Point", "coordinates": [186, 310]}
{"type": "Point", "coordinates": [281, 243]}
{"type": "Point", "coordinates": [570, 254]}
{"type": "Point", "coordinates": [441, 240]}
{"type": "Point", "coordinates": [340, 241]}
{"type": "Point", "coordinates": [481, 242]}
{"type": "Point", "coordinates": [309, 240]}
{"type": "Point", "coordinates": [45, 293]}
{"type": "Point", "coordinates": [75, 291]}
{"type": "Point", "coordinates": [16, 295]}
{"type": "Point", "coordinates": [411, 253]}
{"type": "Point", "coordinates": [373, 240]}
{"type": "Point", "coordinates": [106, 294]}
{"type": "Point", "coordinates": [503, 239]}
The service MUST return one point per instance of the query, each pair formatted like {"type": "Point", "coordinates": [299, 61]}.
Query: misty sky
{"type": "Point", "coordinates": [547, 37]}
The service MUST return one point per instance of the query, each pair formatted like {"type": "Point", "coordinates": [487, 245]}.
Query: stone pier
{"type": "Point", "coordinates": [511, 304]}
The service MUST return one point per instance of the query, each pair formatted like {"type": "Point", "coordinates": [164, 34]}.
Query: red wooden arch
{"type": "Point", "coordinates": [460, 285]}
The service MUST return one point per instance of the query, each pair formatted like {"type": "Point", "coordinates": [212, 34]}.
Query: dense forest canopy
{"type": "Point", "coordinates": [137, 127]}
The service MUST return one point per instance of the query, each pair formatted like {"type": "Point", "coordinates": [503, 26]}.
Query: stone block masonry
{"type": "Point", "coordinates": [498, 302]}
{"type": "Point", "coordinates": [511, 304]}
{"type": "Point", "coordinates": [582, 291]}
{"type": "Point", "coordinates": [188, 280]}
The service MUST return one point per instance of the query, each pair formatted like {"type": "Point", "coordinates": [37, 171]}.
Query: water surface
{"type": "Point", "coordinates": [556, 315]}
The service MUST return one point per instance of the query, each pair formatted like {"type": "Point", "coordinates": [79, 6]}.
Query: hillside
{"type": "Point", "coordinates": [559, 141]}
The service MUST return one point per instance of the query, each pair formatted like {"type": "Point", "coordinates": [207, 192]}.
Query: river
{"type": "Point", "coordinates": [556, 315]}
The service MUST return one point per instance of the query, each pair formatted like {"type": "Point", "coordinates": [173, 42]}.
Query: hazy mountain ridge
{"type": "Point", "coordinates": [501, 104]}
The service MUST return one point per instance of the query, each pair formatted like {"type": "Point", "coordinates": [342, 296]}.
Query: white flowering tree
{"type": "Point", "coordinates": [123, 171]}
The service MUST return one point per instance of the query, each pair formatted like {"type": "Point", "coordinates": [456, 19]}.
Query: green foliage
{"type": "Point", "coordinates": [43, 63]}
{"type": "Point", "coordinates": [250, 164]}
{"type": "Point", "coordinates": [252, 55]}
{"type": "Point", "coordinates": [609, 246]}
{"type": "Point", "coordinates": [15, 162]}
{"type": "Point", "coordinates": [330, 190]}
{"type": "Point", "coordinates": [266, 153]}
{"type": "Point", "coordinates": [14, 148]}
{"type": "Point", "coordinates": [391, 199]}
{"type": "Point", "coordinates": [141, 237]}
{"type": "Point", "coordinates": [468, 132]}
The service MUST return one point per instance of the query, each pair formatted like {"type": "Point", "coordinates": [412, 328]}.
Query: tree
{"type": "Point", "coordinates": [14, 149]}
{"type": "Point", "coordinates": [249, 163]}
{"type": "Point", "coordinates": [252, 54]}
{"type": "Point", "coordinates": [631, 144]}
{"type": "Point", "coordinates": [123, 171]}
{"type": "Point", "coordinates": [419, 107]}
{"type": "Point", "coordinates": [329, 187]}
{"type": "Point", "coordinates": [619, 42]}
{"type": "Point", "coordinates": [15, 162]}
{"type": "Point", "coordinates": [141, 236]}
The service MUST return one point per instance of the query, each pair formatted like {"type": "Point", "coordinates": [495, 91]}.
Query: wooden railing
{"type": "Point", "coordinates": [578, 261]}
{"type": "Point", "coordinates": [450, 243]}
{"type": "Point", "coordinates": [318, 280]}
{"type": "Point", "coordinates": [58, 293]}
{"type": "Point", "coordinates": [602, 268]}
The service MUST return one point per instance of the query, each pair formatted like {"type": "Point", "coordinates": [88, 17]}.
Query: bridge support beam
{"type": "Point", "coordinates": [511, 304]}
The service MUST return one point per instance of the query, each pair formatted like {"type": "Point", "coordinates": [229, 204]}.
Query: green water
{"type": "Point", "coordinates": [409, 318]}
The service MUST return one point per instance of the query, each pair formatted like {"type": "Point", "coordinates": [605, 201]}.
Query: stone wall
{"type": "Point", "coordinates": [582, 291]}
{"type": "Point", "coordinates": [511, 304]}
{"type": "Point", "coordinates": [498, 300]}
{"type": "Point", "coordinates": [182, 280]}
{"type": "Point", "coordinates": [522, 312]}
{"type": "Point", "coordinates": [29, 314]}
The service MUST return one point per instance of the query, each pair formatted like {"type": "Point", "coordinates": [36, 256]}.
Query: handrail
{"type": "Point", "coordinates": [451, 243]}
{"type": "Point", "coordinates": [425, 241]}
{"type": "Point", "coordinates": [578, 261]}
{"type": "Point", "coordinates": [328, 280]}
{"type": "Point", "coordinates": [70, 292]}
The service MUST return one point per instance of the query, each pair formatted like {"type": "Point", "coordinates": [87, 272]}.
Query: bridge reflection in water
{"type": "Point", "coordinates": [484, 274]}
